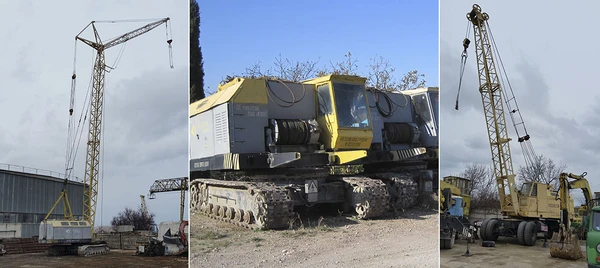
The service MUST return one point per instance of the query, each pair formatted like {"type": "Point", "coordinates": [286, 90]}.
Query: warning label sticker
{"type": "Point", "coordinates": [311, 186]}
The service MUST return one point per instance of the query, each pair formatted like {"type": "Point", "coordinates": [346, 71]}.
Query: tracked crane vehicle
{"type": "Point", "coordinates": [263, 147]}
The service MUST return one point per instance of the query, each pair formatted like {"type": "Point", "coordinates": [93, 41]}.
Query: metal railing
{"type": "Point", "coordinates": [38, 171]}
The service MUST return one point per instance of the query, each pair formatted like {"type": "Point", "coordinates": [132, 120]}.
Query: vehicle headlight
{"type": "Point", "coordinates": [598, 248]}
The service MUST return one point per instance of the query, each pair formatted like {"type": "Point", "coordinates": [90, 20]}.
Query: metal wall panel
{"type": "Point", "coordinates": [23, 193]}
{"type": "Point", "coordinates": [30, 230]}
{"type": "Point", "coordinates": [202, 140]}
{"type": "Point", "coordinates": [248, 122]}
{"type": "Point", "coordinates": [300, 97]}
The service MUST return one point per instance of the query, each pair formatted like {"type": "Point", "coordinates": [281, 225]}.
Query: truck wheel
{"type": "Point", "coordinates": [445, 244]}
{"type": "Point", "coordinates": [489, 230]}
{"type": "Point", "coordinates": [482, 229]}
{"type": "Point", "coordinates": [521, 233]}
{"type": "Point", "coordinates": [530, 234]}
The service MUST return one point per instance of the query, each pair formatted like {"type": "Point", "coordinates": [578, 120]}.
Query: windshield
{"type": "Point", "coordinates": [596, 221]}
{"type": "Point", "coordinates": [351, 105]}
{"type": "Point", "coordinates": [526, 189]}
{"type": "Point", "coordinates": [433, 96]}
{"type": "Point", "coordinates": [423, 112]}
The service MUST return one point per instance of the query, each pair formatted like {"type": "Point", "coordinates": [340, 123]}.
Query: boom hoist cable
{"type": "Point", "coordinates": [510, 102]}
{"type": "Point", "coordinates": [96, 102]}
{"type": "Point", "coordinates": [515, 114]}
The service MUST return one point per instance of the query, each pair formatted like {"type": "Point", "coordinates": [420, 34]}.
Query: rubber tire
{"type": "Point", "coordinates": [446, 244]}
{"type": "Point", "coordinates": [521, 233]}
{"type": "Point", "coordinates": [530, 234]}
{"type": "Point", "coordinates": [489, 231]}
{"type": "Point", "coordinates": [482, 229]}
{"type": "Point", "coordinates": [488, 244]}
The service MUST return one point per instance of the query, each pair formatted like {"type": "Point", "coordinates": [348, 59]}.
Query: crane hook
{"type": "Point", "coordinates": [463, 61]}
{"type": "Point", "coordinates": [170, 53]}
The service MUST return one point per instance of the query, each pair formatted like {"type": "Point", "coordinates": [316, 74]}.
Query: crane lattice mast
{"type": "Point", "coordinates": [96, 103]}
{"type": "Point", "coordinates": [491, 96]}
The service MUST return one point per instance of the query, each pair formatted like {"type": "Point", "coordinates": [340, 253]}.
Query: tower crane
{"type": "Point", "coordinates": [534, 208]}
{"type": "Point", "coordinates": [82, 231]}
{"type": "Point", "coordinates": [97, 98]}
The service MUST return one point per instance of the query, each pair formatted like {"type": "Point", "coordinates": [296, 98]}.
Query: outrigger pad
{"type": "Point", "coordinates": [488, 244]}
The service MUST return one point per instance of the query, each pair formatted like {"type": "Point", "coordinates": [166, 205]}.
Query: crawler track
{"type": "Point", "coordinates": [90, 250]}
{"type": "Point", "coordinates": [369, 197]}
{"type": "Point", "coordinates": [403, 190]}
{"type": "Point", "coordinates": [254, 205]}
{"type": "Point", "coordinates": [84, 250]}
{"type": "Point", "coordinates": [265, 205]}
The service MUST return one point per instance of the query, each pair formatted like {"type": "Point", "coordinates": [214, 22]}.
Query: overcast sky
{"type": "Point", "coordinates": [145, 120]}
{"type": "Point", "coordinates": [551, 63]}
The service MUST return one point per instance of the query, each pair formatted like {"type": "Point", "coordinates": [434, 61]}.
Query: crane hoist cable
{"type": "Point", "coordinates": [463, 62]}
{"type": "Point", "coordinates": [75, 134]}
{"type": "Point", "coordinates": [169, 34]}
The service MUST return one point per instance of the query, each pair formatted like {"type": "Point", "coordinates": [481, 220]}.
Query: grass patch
{"type": "Point", "coordinates": [209, 235]}
{"type": "Point", "coordinates": [207, 240]}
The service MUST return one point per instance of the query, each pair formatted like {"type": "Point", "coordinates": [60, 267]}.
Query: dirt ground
{"type": "Point", "coordinates": [116, 258]}
{"type": "Point", "coordinates": [408, 239]}
{"type": "Point", "coordinates": [506, 254]}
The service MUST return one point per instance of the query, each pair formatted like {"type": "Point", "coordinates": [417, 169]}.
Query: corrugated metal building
{"type": "Point", "coordinates": [26, 198]}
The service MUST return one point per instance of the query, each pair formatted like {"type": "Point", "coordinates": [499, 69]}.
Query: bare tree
{"type": "Point", "coordinates": [284, 69]}
{"type": "Point", "coordinates": [381, 75]}
{"type": "Point", "coordinates": [483, 190]}
{"type": "Point", "coordinates": [137, 218]}
{"type": "Point", "coordinates": [346, 67]}
{"type": "Point", "coordinates": [411, 80]}
{"type": "Point", "coordinates": [543, 169]}
{"type": "Point", "coordinates": [295, 71]}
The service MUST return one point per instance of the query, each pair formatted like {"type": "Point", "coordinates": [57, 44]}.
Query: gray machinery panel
{"type": "Point", "coordinates": [221, 126]}
{"type": "Point", "coordinates": [281, 95]}
{"type": "Point", "coordinates": [202, 142]}
{"type": "Point", "coordinates": [248, 122]}
{"type": "Point", "coordinates": [400, 107]}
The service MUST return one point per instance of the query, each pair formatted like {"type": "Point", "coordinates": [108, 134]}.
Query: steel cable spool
{"type": "Point", "coordinates": [397, 133]}
{"type": "Point", "coordinates": [290, 131]}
